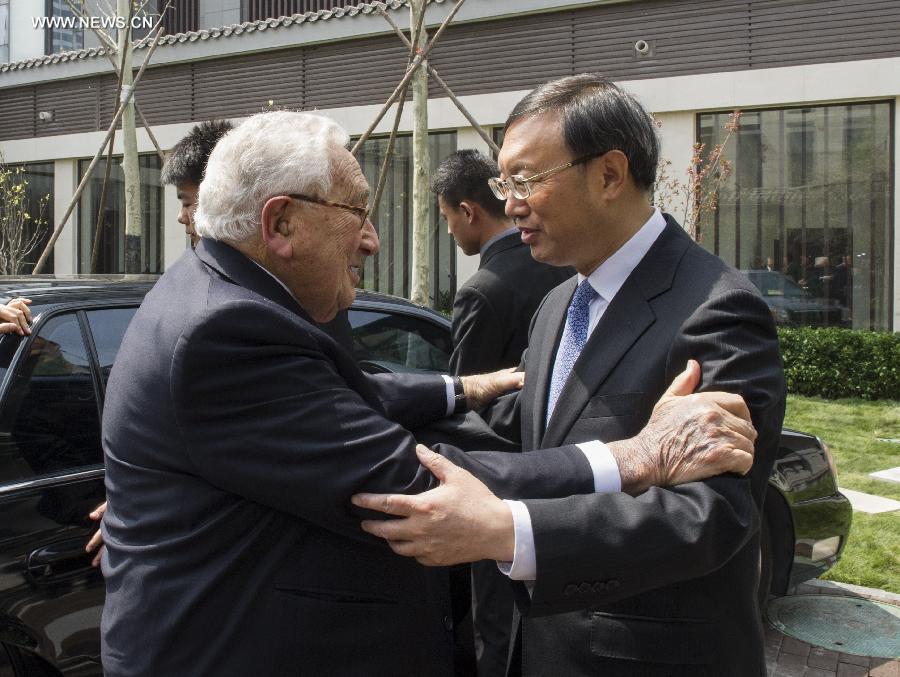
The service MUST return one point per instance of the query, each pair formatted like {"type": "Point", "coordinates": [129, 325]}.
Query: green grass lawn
{"type": "Point", "coordinates": [851, 429]}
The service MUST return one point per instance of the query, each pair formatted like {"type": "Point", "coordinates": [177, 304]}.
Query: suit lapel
{"type": "Point", "coordinates": [625, 320]}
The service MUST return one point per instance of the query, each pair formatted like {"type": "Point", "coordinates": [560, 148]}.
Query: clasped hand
{"type": "Point", "coordinates": [689, 437]}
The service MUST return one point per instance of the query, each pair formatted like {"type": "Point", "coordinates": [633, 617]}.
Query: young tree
{"type": "Point", "coordinates": [21, 229]}
{"type": "Point", "coordinates": [689, 199]}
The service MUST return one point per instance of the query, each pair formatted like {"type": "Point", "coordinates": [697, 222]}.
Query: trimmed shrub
{"type": "Point", "coordinates": [834, 363]}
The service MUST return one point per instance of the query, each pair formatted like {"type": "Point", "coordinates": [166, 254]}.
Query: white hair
{"type": "Point", "coordinates": [269, 154]}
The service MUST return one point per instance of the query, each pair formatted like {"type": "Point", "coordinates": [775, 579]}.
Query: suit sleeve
{"type": "Point", "coordinates": [270, 418]}
{"type": "Point", "coordinates": [476, 333]}
{"type": "Point", "coordinates": [593, 550]}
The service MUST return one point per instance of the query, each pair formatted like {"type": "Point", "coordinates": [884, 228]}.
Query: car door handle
{"type": "Point", "coordinates": [58, 559]}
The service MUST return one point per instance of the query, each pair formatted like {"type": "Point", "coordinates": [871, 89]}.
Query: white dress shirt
{"type": "Point", "coordinates": [606, 280]}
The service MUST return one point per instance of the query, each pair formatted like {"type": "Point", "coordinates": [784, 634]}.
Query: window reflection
{"type": "Point", "coordinates": [810, 200]}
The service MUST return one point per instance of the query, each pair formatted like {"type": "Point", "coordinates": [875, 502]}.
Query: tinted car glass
{"type": "Point", "coordinates": [400, 342]}
{"type": "Point", "coordinates": [108, 327]}
{"type": "Point", "coordinates": [49, 421]}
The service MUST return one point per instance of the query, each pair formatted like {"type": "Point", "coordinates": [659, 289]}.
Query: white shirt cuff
{"type": "Point", "coordinates": [524, 564]}
{"type": "Point", "coordinates": [451, 394]}
{"type": "Point", "coordinates": [607, 479]}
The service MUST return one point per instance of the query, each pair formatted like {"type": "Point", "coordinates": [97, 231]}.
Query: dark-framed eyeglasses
{"type": "Point", "coordinates": [362, 211]}
{"type": "Point", "coordinates": [519, 186]}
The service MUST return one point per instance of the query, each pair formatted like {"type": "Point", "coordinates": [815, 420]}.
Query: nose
{"type": "Point", "coordinates": [369, 243]}
{"type": "Point", "coordinates": [184, 217]}
{"type": "Point", "coordinates": [516, 208]}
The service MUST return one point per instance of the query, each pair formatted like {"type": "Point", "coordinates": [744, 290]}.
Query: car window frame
{"type": "Point", "coordinates": [39, 320]}
{"type": "Point", "coordinates": [415, 312]}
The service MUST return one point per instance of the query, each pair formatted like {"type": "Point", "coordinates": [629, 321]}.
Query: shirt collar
{"type": "Point", "coordinates": [610, 275]}
{"type": "Point", "coordinates": [512, 230]}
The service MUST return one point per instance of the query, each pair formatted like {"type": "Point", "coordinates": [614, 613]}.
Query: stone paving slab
{"type": "Point", "coordinates": [870, 503]}
{"type": "Point", "coordinates": [790, 657]}
{"type": "Point", "coordinates": [890, 475]}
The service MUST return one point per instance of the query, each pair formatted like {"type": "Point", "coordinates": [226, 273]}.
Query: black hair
{"type": "Point", "coordinates": [464, 175]}
{"type": "Point", "coordinates": [187, 161]}
{"type": "Point", "coordinates": [598, 117]}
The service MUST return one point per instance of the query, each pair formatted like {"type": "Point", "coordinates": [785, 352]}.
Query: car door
{"type": "Point", "coordinates": [51, 477]}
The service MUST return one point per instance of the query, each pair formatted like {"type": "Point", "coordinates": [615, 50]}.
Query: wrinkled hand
{"type": "Point", "coordinates": [97, 539]}
{"type": "Point", "coordinates": [15, 317]}
{"type": "Point", "coordinates": [482, 389]}
{"type": "Point", "coordinates": [689, 437]}
{"type": "Point", "coordinates": [459, 521]}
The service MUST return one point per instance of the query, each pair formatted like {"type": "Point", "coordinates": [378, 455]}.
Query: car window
{"type": "Point", "coordinates": [108, 327]}
{"type": "Point", "coordinates": [49, 420]}
{"type": "Point", "coordinates": [400, 342]}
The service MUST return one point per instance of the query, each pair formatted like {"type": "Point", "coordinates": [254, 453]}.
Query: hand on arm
{"type": "Point", "coordinates": [689, 437]}
{"type": "Point", "coordinates": [459, 521]}
{"type": "Point", "coordinates": [482, 389]}
{"type": "Point", "coordinates": [96, 542]}
{"type": "Point", "coordinates": [15, 317]}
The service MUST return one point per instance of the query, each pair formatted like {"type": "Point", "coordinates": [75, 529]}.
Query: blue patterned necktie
{"type": "Point", "coordinates": [574, 337]}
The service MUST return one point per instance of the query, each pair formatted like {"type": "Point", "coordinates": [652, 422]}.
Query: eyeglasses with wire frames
{"type": "Point", "coordinates": [362, 211]}
{"type": "Point", "coordinates": [520, 187]}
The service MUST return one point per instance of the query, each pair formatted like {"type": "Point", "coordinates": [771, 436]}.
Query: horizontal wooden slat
{"type": "Point", "coordinates": [509, 53]}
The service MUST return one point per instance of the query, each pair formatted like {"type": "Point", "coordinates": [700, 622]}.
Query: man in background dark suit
{"type": "Point", "coordinates": [657, 583]}
{"type": "Point", "coordinates": [235, 431]}
{"type": "Point", "coordinates": [493, 308]}
{"type": "Point", "coordinates": [491, 314]}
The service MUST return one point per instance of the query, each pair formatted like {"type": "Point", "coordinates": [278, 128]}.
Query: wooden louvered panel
{"type": "Point", "coordinates": [824, 30]}
{"type": "Point", "coordinates": [182, 16]}
{"type": "Point", "coordinates": [240, 86]}
{"type": "Point", "coordinates": [272, 9]}
{"type": "Point", "coordinates": [74, 105]}
{"type": "Point", "coordinates": [692, 37]}
{"type": "Point", "coordinates": [362, 71]}
{"type": "Point", "coordinates": [478, 58]}
{"type": "Point", "coordinates": [18, 116]}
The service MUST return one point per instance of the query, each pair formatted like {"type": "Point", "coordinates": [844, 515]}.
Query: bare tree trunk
{"type": "Point", "coordinates": [421, 166]}
{"type": "Point", "coordinates": [133, 226]}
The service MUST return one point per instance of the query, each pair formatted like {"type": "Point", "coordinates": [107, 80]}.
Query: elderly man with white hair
{"type": "Point", "coordinates": [235, 432]}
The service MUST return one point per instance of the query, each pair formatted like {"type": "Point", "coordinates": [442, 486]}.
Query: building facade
{"type": "Point", "coordinates": [808, 211]}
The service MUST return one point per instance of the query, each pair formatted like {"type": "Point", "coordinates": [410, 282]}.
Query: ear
{"type": "Point", "coordinates": [613, 173]}
{"type": "Point", "coordinates": [277, 228]}
{"type": "Point", "coordinates": [469, 211]}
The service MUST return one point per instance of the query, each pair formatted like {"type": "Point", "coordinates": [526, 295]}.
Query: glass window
{"type": "Point", "coordinates": [116, 250]}
{"type": "Point", "coordinates": [23, 246]}
{"type": "Point", "coordinates": [398, 343]}
{"type": "Point", "coordinates": [63, 38]}
{"type": "Point", "coordinates": [49, 422]}
{"type": "Point", "coordinates": [391, 270]}
{"type": "Point", "coordinates": [4, 31]}
{"type": "Point", "coordinates": [809, 203]}
{"type": "Point", "coordinates": [107, 329]}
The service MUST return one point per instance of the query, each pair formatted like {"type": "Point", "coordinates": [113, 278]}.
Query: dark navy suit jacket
{"type": "Point", "coordinates": [235, 432]}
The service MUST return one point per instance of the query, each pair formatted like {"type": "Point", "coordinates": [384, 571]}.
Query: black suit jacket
{"type": "Point", "coordinates": [663, 583]}
{"type": "Point", "coordinates": [492, 310]}
{"type": "Point", "coordinates": [235, 432]}
{"type": "Point", "coordinates": [491, 315]}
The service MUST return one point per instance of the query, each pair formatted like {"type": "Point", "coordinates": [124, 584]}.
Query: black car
{"type": "Point", "coordinates": [51, 467]}
{"type": "Point", "coordinates": [793, 306]}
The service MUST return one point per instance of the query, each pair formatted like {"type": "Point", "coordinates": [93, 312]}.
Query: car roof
{"type": "Point", "coordinates": [58, 289]}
